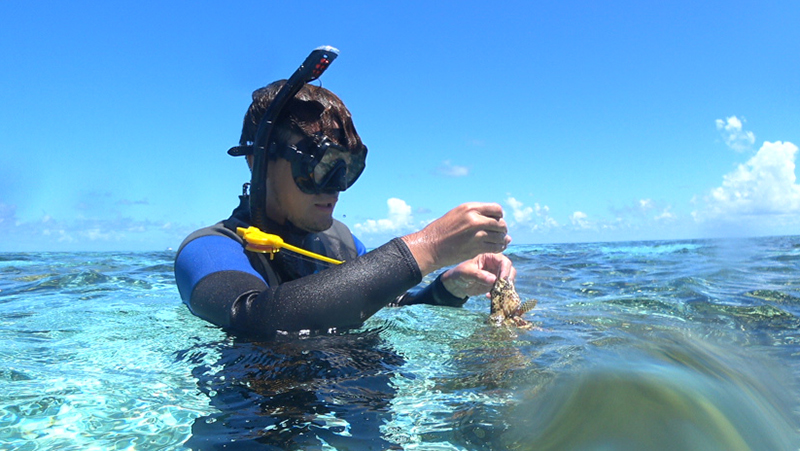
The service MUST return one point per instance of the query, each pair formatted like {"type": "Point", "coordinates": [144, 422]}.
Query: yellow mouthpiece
{"type": "Point", "coordinates": [258, 241]}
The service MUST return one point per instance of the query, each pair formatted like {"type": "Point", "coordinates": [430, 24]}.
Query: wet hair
{"type": "Point", "coordinates": [312, 110]}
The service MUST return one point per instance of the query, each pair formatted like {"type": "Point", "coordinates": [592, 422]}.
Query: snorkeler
{"type": "Point", "coordinates": [303, 150]}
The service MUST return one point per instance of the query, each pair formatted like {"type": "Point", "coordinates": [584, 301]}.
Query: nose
{"type": "Point", "coordinates": [336, 178]}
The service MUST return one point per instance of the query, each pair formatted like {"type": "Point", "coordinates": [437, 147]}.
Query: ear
{"type": "Point", "coordinates": [305, 110]}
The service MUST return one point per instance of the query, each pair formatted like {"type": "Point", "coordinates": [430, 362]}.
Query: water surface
{"type": "Point", "coordinates": [646, 345]}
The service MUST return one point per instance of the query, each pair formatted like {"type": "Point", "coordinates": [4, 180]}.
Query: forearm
{"type": "Point", "coordinates": [422, 246]}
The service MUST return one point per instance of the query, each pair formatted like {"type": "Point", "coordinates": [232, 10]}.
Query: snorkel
{"type": "Point", "coordinates": [314, 65]}
{"type": "Point", "coordinates": [257, 240]}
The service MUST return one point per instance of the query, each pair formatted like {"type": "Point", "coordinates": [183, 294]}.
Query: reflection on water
{"type": "Point", "coordinates": [299, 393]}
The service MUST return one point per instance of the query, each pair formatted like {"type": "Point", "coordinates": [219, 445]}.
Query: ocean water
{"type": "Point", "coordinates": [690, 345]}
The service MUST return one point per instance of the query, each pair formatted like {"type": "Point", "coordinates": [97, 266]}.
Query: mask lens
{"type": "Point", "coordinates": [327, 167]}
{"type": "Point", "coordinates": [338, 168]}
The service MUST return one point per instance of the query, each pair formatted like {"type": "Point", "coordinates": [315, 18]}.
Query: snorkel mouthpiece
{"type": "Point", "coordinates": [267, 243]}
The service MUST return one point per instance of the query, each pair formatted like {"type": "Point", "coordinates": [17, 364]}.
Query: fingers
{"type": "Point", "coordinates": [488, 209]}
{"type": "Point", "coordinates": [462, 233]}
{"type": "Point", "coordinates": [494, 266]}
{"type": "Point", "coordinates": [492, 230]}
{"type": "Point", "coordinates": [499, 265]}
{"type": "Point", "coordinates": [491, 242]}
{"type": "Point", "coordinates": [507, 270]}
{"type": "Point", "coordinates": [478, 275]}
{"type": "Point", "coordinates": [467, 279]}
{"type": "Point", "coordinates": [491, 217]}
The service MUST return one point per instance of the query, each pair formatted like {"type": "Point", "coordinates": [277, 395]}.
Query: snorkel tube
{"type": "Point", "coordinates": [314, 65]}
{"type": "Point", "coordinates": [257, 240]}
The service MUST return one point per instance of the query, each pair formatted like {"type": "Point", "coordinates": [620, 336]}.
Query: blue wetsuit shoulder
{"type": "Point", "coordinates": [206, 255]}
{"type": "Point", "coordinates": [360, 248]}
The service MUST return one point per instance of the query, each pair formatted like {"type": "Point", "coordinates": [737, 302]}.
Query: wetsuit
{"type": "Point", "coordinates": [249, 294]}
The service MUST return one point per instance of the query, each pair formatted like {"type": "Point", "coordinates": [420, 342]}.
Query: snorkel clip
{"type": "Point", "coordinates": [258, 241]}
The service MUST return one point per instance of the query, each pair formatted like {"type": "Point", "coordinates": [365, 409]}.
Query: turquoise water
{"type": "Point", "coordinates": [647, 345]}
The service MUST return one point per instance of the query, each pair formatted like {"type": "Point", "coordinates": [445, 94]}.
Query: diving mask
{"type": "Point", "coordinates": [321, 166]}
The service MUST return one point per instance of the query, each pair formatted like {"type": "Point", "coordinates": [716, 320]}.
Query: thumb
{"type": "Point", "coordinates": [486, 277]}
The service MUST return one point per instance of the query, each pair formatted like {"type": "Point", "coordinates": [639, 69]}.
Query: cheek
{"type": "Point", "coordinates": [291, 199]}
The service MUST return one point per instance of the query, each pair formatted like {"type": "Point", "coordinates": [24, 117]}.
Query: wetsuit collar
{"type": "Point", "coordinates": [288, 231]}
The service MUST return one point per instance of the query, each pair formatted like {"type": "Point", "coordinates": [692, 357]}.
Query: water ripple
{"type": "Point", "coordinates": [100, 353]}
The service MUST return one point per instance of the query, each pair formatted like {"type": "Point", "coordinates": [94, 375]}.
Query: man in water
{"type": "Point", "coordinates": [312, 155]}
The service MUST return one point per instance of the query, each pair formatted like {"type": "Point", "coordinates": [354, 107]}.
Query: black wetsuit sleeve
{"type": "Point", "coordinates": [434, 293]}
{"type": "Point", "coordinates": [339, 297]}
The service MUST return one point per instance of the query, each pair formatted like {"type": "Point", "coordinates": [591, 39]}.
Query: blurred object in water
{"type": "Point", "coordinates": [670, 395]}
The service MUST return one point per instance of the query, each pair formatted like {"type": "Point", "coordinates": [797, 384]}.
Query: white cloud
{"type": "Point", "coordinates": [83, 234]}
{"type": "Point", "coordinates": [641, 219]}
{"type": "Point", "coordinates": [765, 185]}
{"type": "Point", "coordinates": [733, 134]}
{"type": "Point", "coordinates": [580, 220]}
{"type": "Point", "coordinates": [650, 209]}
{"type": "Point", "coordinates": [536, 217]}
{"type": "Point", "coordinates": [665, 215]}
{"type": "Point", "coordinates": [522, 214]}
{"type": "Point", "coordinates": [642, 212]}
{"type": "Point", "coordinates": [399, 219]}
{"type": "Point", "coordinates": [448, 169]}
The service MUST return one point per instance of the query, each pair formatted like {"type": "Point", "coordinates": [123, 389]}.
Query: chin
{"type": "Point", "coordinates": [318, 226]}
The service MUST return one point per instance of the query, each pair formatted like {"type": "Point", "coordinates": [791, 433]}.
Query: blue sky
{"type": "Point", "coordinates": [585, 120]}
